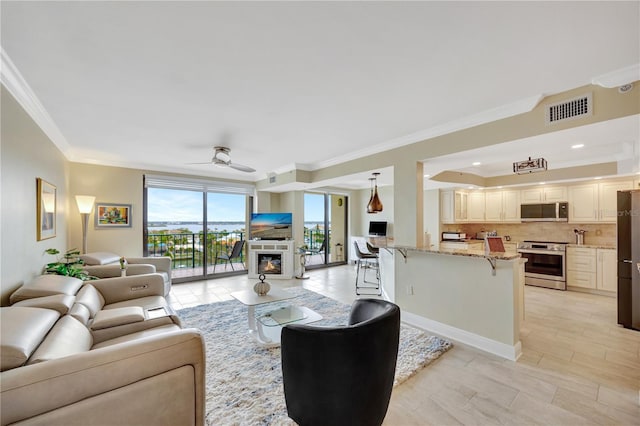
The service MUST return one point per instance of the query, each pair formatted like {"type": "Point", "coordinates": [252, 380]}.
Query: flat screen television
{"type": "Point", "coordinates": [378, 229]}
{"type": "Point", "coordinates": [271, 226]}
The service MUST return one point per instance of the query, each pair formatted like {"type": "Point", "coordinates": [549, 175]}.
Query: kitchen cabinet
{"type": "Point", "coordinates": [447, 207]}
{"type": "Point", "coordinates": [475, 206]}
{"type": "Point", "coordinates": [583, 203]}
{"type": "Point", "coordinates": [608, 199]}
{"type": "Point", "coordinates": [453, 206]}
{"type": "Point", "coordinates": [502, 206]}
{"type": "Point", "coordinates": [607, 270]}
{"type": "Point", "coordinates": [591, 268]}
{"type": "Point", "coordinates": [581, 267]}
{"type": "Point", "coordinates": [595, 202]}
{"type": "Point", "coordinates": [543, 194]}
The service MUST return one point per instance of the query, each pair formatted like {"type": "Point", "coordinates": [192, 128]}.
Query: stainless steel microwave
{"type": "Point", "coordinates": [544, 212]}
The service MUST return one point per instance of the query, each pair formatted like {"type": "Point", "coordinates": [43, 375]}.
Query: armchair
{"type": "Point", "coordinates": [342, 375]}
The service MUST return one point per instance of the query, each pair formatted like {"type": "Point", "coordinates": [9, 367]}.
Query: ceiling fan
{"type": "Point", "coordinates": [222, 158]}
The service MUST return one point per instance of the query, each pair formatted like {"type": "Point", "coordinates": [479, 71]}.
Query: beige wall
{"type": "Point", "coordinates": [108, 185]}
{"type": "Point", "coordinates": [26, 154]}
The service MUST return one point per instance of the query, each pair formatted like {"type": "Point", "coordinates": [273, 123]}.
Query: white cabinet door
{"type": "Point", "coordinates": [583, 203]}
{"type": "Point", "coordinates": [555, 193]}
{"type": "Point", "coordinates": [475, 206]}
{"type": "Point", "coordinates": [607, 270]}
{"type": "Point", "coordinates": [608, 199]}
{"type": "Point", "coordinates": [510, 206]}
{"type": "Point", "coordinates": [494, 204]}
{"type": "Point", "coordinates": [460, 206]}
{"type": "Point", "coordinates": [446, 207]}
{"type": "Point", "coordinates": [532, 195]}
{"type": "Point", "coordinates": [544, 194]}
{"type": "Point", "coordinates": [581, 267]}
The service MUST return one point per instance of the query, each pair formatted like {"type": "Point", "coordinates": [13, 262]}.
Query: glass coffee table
{"type": "Point", "coordinates": [267, 327]}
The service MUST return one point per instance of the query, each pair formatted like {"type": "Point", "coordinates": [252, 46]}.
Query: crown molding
{"type": "Point", "coordinates": [12, 79]}
{"type": "Point", "coordinates": [515, 108]}
{"type": "Point", "coordinates": [619, 77]}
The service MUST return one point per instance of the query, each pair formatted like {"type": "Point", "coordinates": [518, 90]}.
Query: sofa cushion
{"type": "Point", "coordinates": [58, 302]}
{"type": "Point", "coordinates": [46, 285]}
{"type": "Point", "coordinates": [145, 302]}
{"type": "Point", "coordinates": [81, 313]}
{"type": "Point", "coordinates": [90, 297]}
{"type": "Point", "coordinates": [115, 317]}
{"type": "Point", "coordinates": [66, 338]}
{"type": "Point", "coordinates": [23, 329]}
{"type": "Point", "coordinates": [99, 258]}
{"type": "Point", "coordinates": [138, 335]}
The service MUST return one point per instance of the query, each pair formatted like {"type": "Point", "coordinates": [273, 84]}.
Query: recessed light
{"type": "Point", "coordinates": [500, 187]}
{"type": "Point", "coordinates": [427, 176]}
{"type": "Point", "coordinates": [577, 146]}
{"type": "Point", "coordinates": [596, 178]}
{"type": "Point", "coordinates": [542, 183]}
{"type": "Point", "coordinates": [469, 187]}
{"type": "Point", "coordinates": [476, 163]}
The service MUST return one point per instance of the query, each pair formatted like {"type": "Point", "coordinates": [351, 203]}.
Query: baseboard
{"type": "Point", "coordinates": [503, 350]}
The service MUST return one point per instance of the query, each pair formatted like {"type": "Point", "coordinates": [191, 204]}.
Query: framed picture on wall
{"type": "Point", "coordinates": [113, 215]}
{"type": "Point", "coordinates": [46, 209]}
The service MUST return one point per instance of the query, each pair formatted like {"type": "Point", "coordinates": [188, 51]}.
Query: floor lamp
{"type": "Point", "coordinates": [85, 205]}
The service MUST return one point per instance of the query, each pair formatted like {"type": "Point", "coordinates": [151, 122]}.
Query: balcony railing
{"type": "Point", "coordinates": [187, 249]}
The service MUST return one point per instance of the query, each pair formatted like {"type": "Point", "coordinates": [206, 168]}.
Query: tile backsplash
{"type": "Point", "coordinates": [603, 234]}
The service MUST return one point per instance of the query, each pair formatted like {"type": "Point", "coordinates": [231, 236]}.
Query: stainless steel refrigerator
{"type": "Point", "coordinates": [629, 259]}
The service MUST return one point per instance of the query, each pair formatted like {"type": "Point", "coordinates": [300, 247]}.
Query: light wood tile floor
{"type": "Point", "coordinates": [577, 368]}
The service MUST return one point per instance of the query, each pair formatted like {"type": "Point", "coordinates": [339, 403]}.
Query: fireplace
{"type": "Point", "coordinates": [272, 258]}
{"type": "Point", "coordinates": [269, 263]}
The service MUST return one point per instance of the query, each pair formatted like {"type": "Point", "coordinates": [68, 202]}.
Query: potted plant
{"type": "Point", "coordinates": [68, 264]}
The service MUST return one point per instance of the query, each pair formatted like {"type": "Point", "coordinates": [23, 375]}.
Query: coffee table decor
{"type": "Point", "coordinates": [244, 380]}
{"type": "Point", "coordinates": [262, 287]}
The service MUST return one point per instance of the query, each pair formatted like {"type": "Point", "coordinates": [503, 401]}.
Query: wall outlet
{"type": "Point", "coordinates": [410, 290]}
{"type": "Point", "coordinates": [598, 232]}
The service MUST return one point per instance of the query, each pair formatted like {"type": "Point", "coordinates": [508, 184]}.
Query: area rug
{"type": "Point", "coordinates": [244, 381]}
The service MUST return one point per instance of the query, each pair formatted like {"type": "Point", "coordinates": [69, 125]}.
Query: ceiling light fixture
{"type": "Point", "coordinates": [577, 146]}
{"type": "Point", "coordinates": [374, 205]}
{"type": "Point", "coordinates": [476, 163]}
{"type": "Point", "coordinates": [530, 166]}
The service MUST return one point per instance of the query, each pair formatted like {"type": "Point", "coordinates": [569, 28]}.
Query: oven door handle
{"type": "Point", "coordinates": [552, 253]}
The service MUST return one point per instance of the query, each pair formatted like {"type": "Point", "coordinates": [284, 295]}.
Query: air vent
{"type": "Point", "coordinates": [581, 106]}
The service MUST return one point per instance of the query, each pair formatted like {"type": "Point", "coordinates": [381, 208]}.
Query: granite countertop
{"type": "Point", "coordinates": [595, 246]}
{"type": "Point", "coordinates": [388, 243]}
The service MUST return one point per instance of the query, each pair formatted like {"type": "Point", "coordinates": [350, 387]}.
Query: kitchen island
{"type": "Point", "coordinates": [470, 296]}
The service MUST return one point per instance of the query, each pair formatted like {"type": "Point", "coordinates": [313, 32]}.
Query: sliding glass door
{"type": "Point", "coordinates": [325, 230]}
{"type": "Point", "coordinates": [197, 227]}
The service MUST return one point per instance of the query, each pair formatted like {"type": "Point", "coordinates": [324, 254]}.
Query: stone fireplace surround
{"type": "Point", "coordinates": [285, 249]}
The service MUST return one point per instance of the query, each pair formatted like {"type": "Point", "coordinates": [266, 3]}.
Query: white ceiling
{"type": "Point", "coordinates": [155, 85]}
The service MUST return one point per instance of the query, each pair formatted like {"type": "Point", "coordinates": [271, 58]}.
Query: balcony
{"type": "Point", "coordinates": [187, 251]}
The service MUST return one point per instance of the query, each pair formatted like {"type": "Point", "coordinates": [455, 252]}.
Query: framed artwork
{"type": "Point", "coordinates": [113, 215]}
{"type": "Point", "coordinates": [46, 209]}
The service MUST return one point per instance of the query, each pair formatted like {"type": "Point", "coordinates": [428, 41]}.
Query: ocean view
{"type": "Point", "coordinates": [212, 226]}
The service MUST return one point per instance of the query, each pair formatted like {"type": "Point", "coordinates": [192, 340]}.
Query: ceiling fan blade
{"type": "Point", "coordinates": [241, 167]}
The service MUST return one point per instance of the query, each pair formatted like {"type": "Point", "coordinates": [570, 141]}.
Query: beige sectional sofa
{"type": "Point", "coordinates": [107, 265]}
{"type": "Point", "coordinates": [110, 351]}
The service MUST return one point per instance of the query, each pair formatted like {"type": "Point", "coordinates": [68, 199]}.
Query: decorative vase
{"type": "Point", "coordinates": [262, 288]}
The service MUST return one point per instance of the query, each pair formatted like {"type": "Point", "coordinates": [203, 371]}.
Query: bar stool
{"type": "Point", "coordinates": [366, 260]}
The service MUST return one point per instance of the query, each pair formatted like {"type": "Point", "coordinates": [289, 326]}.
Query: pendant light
{"type": "Point", "coordinates": [374, 205]}
{"type": "Point", "coordinates": [369, 205]}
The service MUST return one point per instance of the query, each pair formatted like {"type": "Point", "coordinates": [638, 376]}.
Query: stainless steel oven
{"type": "Point", "coordinates": [546, 263]}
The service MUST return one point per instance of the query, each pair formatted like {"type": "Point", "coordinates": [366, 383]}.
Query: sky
{"type": "Point", "coordinates": [170, 205]}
